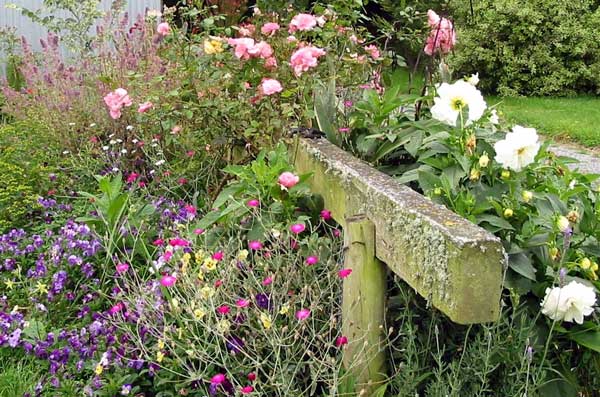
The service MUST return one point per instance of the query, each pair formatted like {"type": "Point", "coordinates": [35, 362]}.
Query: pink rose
{"type": "Point", "coordinates": [270, 87]}
{"type": "Point", "coordinates": [270, 28]}
{"type": "Point", "coordinates": [241, 47]}
{"type": "Point", "coordinates": [302, 22]}
{"type": "Point", "coordinates": [144, 107]}
{"type": "Point", "coordinates": [247, 29]}
{"type": "Point", "coordinates": [305, 58]}
{"type": "Point", "coordinates": [288, 180]}
{"type": "Point", "coordinates": [163, 29]}
{"type": "Point", "coordinates": [373, 51]}
{"type": "Point", "coordinates": [271, 63]}
{"type": "Point", "coordinates": [116, 100]}
{"type": "Point", "coordinates": [261, 49]}
{"type": "Point", "coordinates": [442, 36]}
{"type": "Point", "coordinates": [302, 314]}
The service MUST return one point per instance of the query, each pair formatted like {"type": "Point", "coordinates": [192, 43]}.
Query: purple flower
{"type": "Point", "coordinates": [263, 301]}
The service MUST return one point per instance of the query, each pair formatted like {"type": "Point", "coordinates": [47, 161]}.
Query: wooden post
{"type": "Point", "coordinates": [363, 306]}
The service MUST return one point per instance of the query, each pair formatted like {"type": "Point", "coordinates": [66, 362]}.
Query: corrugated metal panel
{"type": "Point", "coordinates": [33, 32]}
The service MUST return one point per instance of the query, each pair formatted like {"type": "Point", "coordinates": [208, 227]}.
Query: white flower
{"type": "Point", "coordinates": [518, 149]}
{"type": "Point", "coordinates": [159, 163]}
{"type": "Point", "coordinates": [563, 224]}
{"type": "Point", "coordinates": [154, 14]}
{"type": "Point", "coordinates": [455, 98]}
{"type": "Point", "coordinates": [473, 79]}
{"type": "Point", "coordinates": [494, 119]}
{"type": "Point", "coordinates": [105, 148]}
{"type": "Point", "coordinates": [569, 303]}
{"type": "Point", "coordinates": [321, 21]}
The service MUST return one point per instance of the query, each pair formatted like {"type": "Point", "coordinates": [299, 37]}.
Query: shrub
{"type": "Point", "coordinates": [17, 196]}
{"type": "Point", "coordinates": [529, 47]}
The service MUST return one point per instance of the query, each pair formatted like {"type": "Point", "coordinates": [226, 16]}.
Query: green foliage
{"type": "Point", "coordinates": [532, 47]}
{"type": "Point", "coordinates": [17, 196]}
{"type": "Point", "coordinates": [17, 374]}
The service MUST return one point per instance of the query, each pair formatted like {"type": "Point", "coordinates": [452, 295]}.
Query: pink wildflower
{"type": "Point", "coordinates": [144, 107]}
{"type": "Point", "coordinates": [268, 280]}
{"type": "Point", "coordinates": [122, 267]}
{"type": "Point", "coordinates": [167, 280]}
{"type": "Point", "coordinates": [302, 314]}
{"type": "Point", "coordinates": [158, 242]}
{"type": "Point", "coordinates": [224, 309]}
{"type": "Point", "coordinates": [241, 303]}
{"type": "Point", "coordinates": [373, 51]}
{"type": "Point", "coordinates": [116, 308]}
{"type": "Point", "coordinates": [305, 58]}
{"type": "Point", "coordinates": [312, 260]}
{"type": "Point", "coordinates": [302, 22]}
{"type": "Point", "coordinates": [297, 228]}
{"type": "Point", "coordinates": [288, 180]}
{"type": "Point", "coordinates": [270, 28]}
{"type": "Point", "coordinates": [198, 231]}
{"type": "Point", "coordinates": [163, 29]}
{"type": "Point", "coordinates": [241, 47]}
{"type": "Point", "coordinates": [253, 203]}
{"type": "Point", "coordinates": [442, 36]}
{"type": "Point", "coordinates": [271, 63]}
{"type": "Point", "coordinates": [217, 379]}
{"type": "Point", "coordinates": [261, 49]}
{"type": "Point", "coordinates": [341, 341]}
{"type": "Point", "coordinates": [251, 376]}
{"type": "Point", "coordinates": [344, 273]}
{"type": "Point", "coordinates": [132, 177]}
{"type": "Point", "coordinates": [247, 389]}
{"type": "Point", "coordinates": [247, 29]}
{"type": "Point", "coordinates": [176, 130]}
{"type": "Point", "coordinates": [178, 242]}
{"type": "Point", "coordinates": [270, 87]}
{"type": "Point", "coordinates": [326, 214]}
{"type": "Point", "coordinates": [218, 255]}
{"type": "Point", "coordinates": [255, 245]}
{"type": "Point", "coordinates": [344, 130]}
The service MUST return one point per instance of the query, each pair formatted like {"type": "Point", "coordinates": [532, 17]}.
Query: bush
{"type": "Point", "coordinates": [532, 47]}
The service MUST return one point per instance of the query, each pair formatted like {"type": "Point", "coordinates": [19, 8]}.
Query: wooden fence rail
{"type": "Point", "coordinates": [454, 264]}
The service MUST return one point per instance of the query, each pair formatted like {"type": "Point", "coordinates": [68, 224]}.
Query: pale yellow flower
{"type": "Point", "coordinates": [199, 314]}
{"type": "Point", "coordinates": [243, 254]}
{"type": "Point", "coordinates": [99, 369]}
{"type": "Point", "coordinates": [266, 321]}
{"type": "Point", "coordinates": [213, 47]}
{"type": "Point", "coordinates": [161, 344]}
{"type": "Point", "coordinates": [223, 326]}
{"type": "Point", "coordinates": [9, 284]}
{"type": "Point", "coordinates": [41, 287]}
{"type": "Point", "coordinates": [207, 292]}
{"type": "Point", "coordinates": [284, 309]}
{"type": "Point", "coordinates": [201, 275]}
{"type": "Point", "coordinates": [210, 264]}
{"type": "Point", "coordinates": [199, 256]}
{"type": "Point", "coordinates": [160, 356]}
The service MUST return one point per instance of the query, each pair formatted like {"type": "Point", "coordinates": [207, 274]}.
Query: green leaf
{"type": "Point", "coordinates": [521, 264]}
{"type": "Point", "coordinates": [495, 221]}
{"type": "Point", "coordinates": [589, 339]}
{"type": "Point", "coordinates": [226, 194]}
{"type": "Point", "coordinates": [35, 330]}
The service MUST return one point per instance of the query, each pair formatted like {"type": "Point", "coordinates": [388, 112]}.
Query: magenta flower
{"type": "Point", "coordinates": [178, 242]}
{"type": "Point", "coordinates": [312, 260]}
{"type": "Point", "coordinates": [344, 273]}
{"type": "Point", "coordinates": [326, 215]}
{"type": "Point", "coordinates": [198, 231]}
{"type": "Point", "coordinates": [255, 245]}
{"type": "Point", "coordinates": [344, 130]}
{"type": "Point", "coordinates": [217, 379]}
{"type": "Point", "coordinates": [163, 29]}
{"type": "Point", "coordinates": [251, 376]}
{"type": "Point", "coordinates": [247, 389]}
{"type": "Point", "coordinates": [253, 203]}
{"type": "Point", "coordinates": [268, 280]}
{"type": "Point", "coordinates": [224, 309]}
{"type": "Point", "coordinates": [122, 267]}
{"type": "Point", "coordinates": [288, 180]}
{"type": "Point", "coordinates": [302, 314]}
{"type": "Point", "coordinates": [297, 228]}
{"type": "Point", "coordinates": [241, 303]}
{"type": "Point", "coordinates": [341, 341]}
{"type": "Point", "coordinates": [218, 255]}
{"type": "Point", "coordinates": [168, 280]}
{"type": "Point", "coordinates": [132, 177]}
{"type": "Point", "coordinates": [116, 308]}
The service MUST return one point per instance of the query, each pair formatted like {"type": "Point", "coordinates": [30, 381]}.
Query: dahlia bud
{"type": "Point", "coordinates": [573, 216]}
{"type": "Point", "coordinates": [505, 174]}
{"type": "Point", "coordinates": [508, 213]}
{"type": "Point", "coordinates": [563, 224]}
{"type": "Point", "coordinates": [484, 160]}
{"type": "Point", "coordinates": [527, 196]}
{"type": "Point", "coordinates": [475, 174]}
{"type": "Point", "coordinates": [585, 263]}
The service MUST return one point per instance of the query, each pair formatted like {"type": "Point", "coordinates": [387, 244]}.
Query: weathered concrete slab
{"type": "Point", "coordinates": [453, 263]}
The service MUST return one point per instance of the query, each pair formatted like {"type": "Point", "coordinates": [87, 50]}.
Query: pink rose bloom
{"type": "Point", "coordinates": [241, 47]}
{"type": "Point", "coordinates": [163, 29]}
{"type": "Point", "coordinates": [167, 280]}
{"type": "Point", "coordinates": [144, 107]}
{"type": "Point", "coordinates": [305, 58]}
{"type": "Point", "coordinates": [344, 273]}
{"type": "Point", "coordinates": [255, 245]}
{"type": "Point", "coordinates": [247, 29]}
{"type": "Point", "coordinates": [442, 36]}
{"type": "Point", "coordinates": [341, 341]}
{"type": "Point", "coordinates": [176, 130]}
{"type": "Point", "coordinates": [270, 28]}
{"type": "Point", "coordinates": [271, 63]}
{"type": "Point", "coordinates": [302, 22]}
{"type": "Point", "coordinates": [297, 228]}
{"type": "Point", "coordinates": [288, 180]}
{"type": "Point", "coordinates": [373, 51]}
{"type": "Point", "coordinates": [312, 260]}
{"type": "Point", "coordinates": [261, 49]}
{"type": "Point", "coordinates": [291, 39]}
{"type": "Point", "coordinates": [122, 267]}
{"type": "Point", "coordinates": [270, 87]}
{"type": "Point", "coordinates": [241, 303]}
{"type": "Point", "coordinates": [302, 314]}
{"type": "Point", "coordinates": [116, 100]}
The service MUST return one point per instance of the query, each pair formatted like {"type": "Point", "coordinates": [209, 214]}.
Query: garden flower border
{"type": "Point", "coordinates": [454, 264]}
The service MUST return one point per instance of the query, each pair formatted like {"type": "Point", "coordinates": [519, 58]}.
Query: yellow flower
{"type": "Point", "coordinates": [213, 47]}
{"type": "Point", "coordinates": [9, 284]}
{"type": "Point", "coordinates": [223, 326]}
{"type": "Point", "coordinates": [161, 344]}
{"type": "Point", "coordinates": [585, 263]}
{"type": "Point", "coordinates": [284, 309]}
{"type": "Point", "coordinates": [41, 287]}
{"type": "Point", "coordinates": [159, 357]}
{"type": "Point", "coordinates": [243, 254]}
{"type": "Point", "coordinates": [505, 174]}
{"type": "Point", "coordinates": [527, 196]}
{"type": "Point", "coordinates": [207, 292]}
{"type": "Point", "coordinates": [200, 275]}
{"type": "Point", "coordinates": [175, 303]}
{"type": "Point", "coordinates": [210, 264]}
{"type": "Point", "coordinates": [99, 369]}
{"type": "Point", "coordinates": [475, 174]}
{"type": "Point", "coordinates": [199, 256]}
{"type": "Point", "coordinates": [199, 313]}
{"type": "Point", "coordinates": [508, 213]}
{"type": "Point", "coordinates": [484, 160]}
{"type": "Point", "coordinates": [266, 320]}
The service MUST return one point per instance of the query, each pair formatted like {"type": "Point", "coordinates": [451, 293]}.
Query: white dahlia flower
{"type": "Point", "coordinates": [569, 303]}
{"type": "Point", "coordinates": [455, 98]}
{"type": "Point", "coordinates": [518, 149]}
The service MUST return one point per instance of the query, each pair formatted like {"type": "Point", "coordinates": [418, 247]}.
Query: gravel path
{"type": "Point", "coordinates": [589, 162]}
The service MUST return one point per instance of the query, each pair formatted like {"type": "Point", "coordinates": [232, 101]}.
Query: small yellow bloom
{"type": "Point", "coordinates": [213, 47]}
{"type": "Point", "coordinates": [210, 264]}
{"type": "Point", "coordinates": [199, 256]}
{"type": "Point", "coordinates": [475, 174]}
{"type": "Point", "coordinates": [185, 258]}
{"type": "Point", "coordinates": [484, 160]}
{"type": "Point", "coordinates": [526, 196]}
{"type": "Point", "coordinates": [175, 303]}
{"type": "Point", "coordinates": [207, 292]}
{"type": "Point", "coordinates": [223, 326]}
{"type": "Point", "coordinates": [266, 320]}
{"type": "Point", "coordinates": [505, 174]}
{"type": "Point", "coordinates": [243, 254]}
{"type": "Point", "coordinates": [159, 357]}
{"type": "Point", "coordinates": [99, 369]}
{"type": "Point", "coordinates": [437, 191]}
{"type": "Point", "coordinates": [554, 253]}
{"type": "Point", "coordinates": [585, 263]}
{"type": "Point", "coordinates": [9, 284]}
{"type": "Point", "coordinates": [189, 352]}
{"type": "Point", "coordinates": [594, 267]}
{"type": "Point", "coordinates": [41, 287]}
{"type": "Point", "coordinates": [284, 309]}
{"type": "Point", "coordinates": [508, 213]}
{"type": "Point", "coordinates": [201, 275]}
{"type": "Point", "coordinates": [161, 344]}
{"type": "Point", "coordinates": [199, 314]}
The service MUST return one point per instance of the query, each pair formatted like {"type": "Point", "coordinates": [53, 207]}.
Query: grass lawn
{"type": "Point", "coordinates": [574, 119]}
